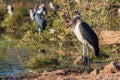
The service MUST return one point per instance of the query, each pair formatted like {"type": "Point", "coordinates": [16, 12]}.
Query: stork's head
{"type": "Point", "coordinates": [76, 19]}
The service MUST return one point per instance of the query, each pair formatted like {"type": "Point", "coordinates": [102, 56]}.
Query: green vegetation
{"type": "Point", "coordinates": [57, 50]}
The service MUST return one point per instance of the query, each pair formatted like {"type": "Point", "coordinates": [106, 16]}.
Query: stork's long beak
{"type": "Point", "coordinates": [74, 21]}
{"type": "Point", "coordinates": [70, 24]}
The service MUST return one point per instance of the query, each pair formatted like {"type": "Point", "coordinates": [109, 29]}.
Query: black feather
{"type": "Point", "coordinates": [90, 36]}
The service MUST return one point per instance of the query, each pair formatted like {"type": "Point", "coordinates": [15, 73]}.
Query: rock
{"type": "Point", "coordinates": [113, 67]}
{"type": "Point", "coordinates": [116, 49]}
{"type": "Point", "coordinates": [59, 78]}
{"type": "Point", "coordinates": [78, 1]}
{"type": "Point", "coordinates": [109, 37]}
{"type": "Point", "coordinates": [33, 72]}
{"type": "Point", "coordinates": [98, 78]}
{"type": "Point", "coordinates": [95, 72]}
{"type": "Point", "coordinates": [57, 72]}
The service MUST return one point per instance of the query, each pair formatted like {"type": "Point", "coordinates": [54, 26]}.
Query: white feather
{"type": "Point", "coordinates": [78, 34]}
{"type": "Point", "coordinates": [9, 8]}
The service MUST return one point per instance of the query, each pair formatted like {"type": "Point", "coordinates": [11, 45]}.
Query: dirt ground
{"type": "Point", "coordinates": [108, 72]}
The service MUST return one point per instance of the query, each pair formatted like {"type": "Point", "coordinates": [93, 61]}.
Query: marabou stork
{"type": "Point", "coordinates": [87, 36]}
{"type": "Point", "coordinates": [39, 17]}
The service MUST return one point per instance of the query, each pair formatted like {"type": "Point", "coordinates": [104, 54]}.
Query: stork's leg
{"type": "Point", "coordinates": [39, 28]}
{"type": "Point", "coordinates": [88, 53]}
{"type": "Point", "coordinates": [39, 31]}
{"type": "Point", "coordinates": [84, 55]}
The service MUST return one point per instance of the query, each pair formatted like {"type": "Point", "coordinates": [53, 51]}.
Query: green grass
{"type": "Point", "coordinates": [62, 48]}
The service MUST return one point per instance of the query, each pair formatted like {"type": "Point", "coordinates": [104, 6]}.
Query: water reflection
{"type": "Point", "coordinates": [10, 65]}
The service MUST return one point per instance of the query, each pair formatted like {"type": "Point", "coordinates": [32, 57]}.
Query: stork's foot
{"type": "Point", "coordinates": [89, 69]}
{"type": "Point", "coordinates": [84, 58]}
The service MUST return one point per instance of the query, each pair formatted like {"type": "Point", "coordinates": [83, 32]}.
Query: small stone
{"type": "Point", "coordinates": [95, 72]}
{"type": "Point", "coordinates": [59, 78]}
{"type": "Point", "coordinates": [113, 67]}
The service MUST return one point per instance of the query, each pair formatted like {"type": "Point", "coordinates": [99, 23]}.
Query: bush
{"type": "Point", "coordinates": [17, 23]}
{"type": "Point", "coordinates": [2, 12]}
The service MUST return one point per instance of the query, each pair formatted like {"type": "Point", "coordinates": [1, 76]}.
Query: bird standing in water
{"type": "Point", "coordinates": [87, 36]}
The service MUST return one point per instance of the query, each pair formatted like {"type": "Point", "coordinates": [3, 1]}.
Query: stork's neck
{"type": "Point", "coordinates": [80, 20]}
{"type": "Point", "coordinates": [78, 23]}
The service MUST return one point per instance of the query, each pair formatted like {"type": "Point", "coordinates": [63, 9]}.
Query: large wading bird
{"type": "Point", "coordinates": [87, 36]}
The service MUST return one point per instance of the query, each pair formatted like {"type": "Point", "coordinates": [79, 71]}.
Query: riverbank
{"type": "Point", "coordinates": [107, 72]}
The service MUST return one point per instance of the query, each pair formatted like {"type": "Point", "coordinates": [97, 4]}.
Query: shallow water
{"type": "Point", "coordinates": [10, 65]}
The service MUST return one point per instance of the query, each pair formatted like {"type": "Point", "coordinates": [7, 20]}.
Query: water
{"type": "Point", "coordinates": [10, 65]}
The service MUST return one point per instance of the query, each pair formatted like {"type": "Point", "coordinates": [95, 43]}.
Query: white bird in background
{"type": "Point", "coordinates": [32, 13]}
{"type": "Point", "coordinates": [53, 6]}
{"type": "Point", "coordinates": [10, 9]}
{"type": "Point", "coordinates": [52, 31]}
{"type": "Point", "coordinates": [119, 10]}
